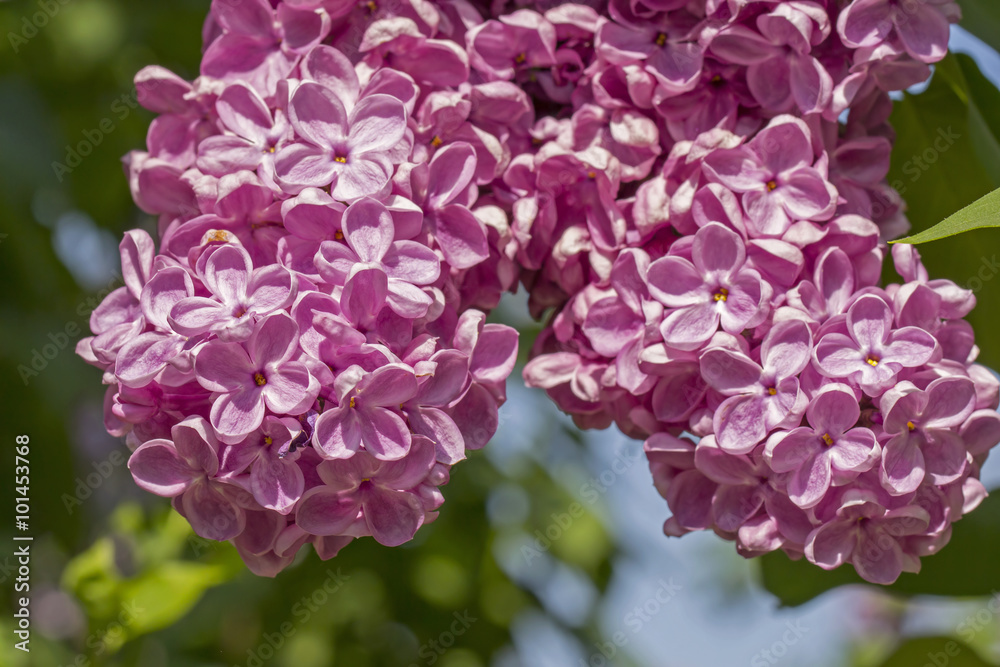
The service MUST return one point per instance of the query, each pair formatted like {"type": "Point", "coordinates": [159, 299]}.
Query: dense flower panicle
{"type": "Point", "coordinates": [693, 193]}
{"type": "Point", "coordinates": [704, 225]}
{"type": "Point", "coordinates": [306, 355]}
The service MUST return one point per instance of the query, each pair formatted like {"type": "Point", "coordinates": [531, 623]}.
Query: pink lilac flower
{"type": "Point", "coordinates": [378, 494]}
{"type": "Point", "coordinates": [241, 294]}
{"type": "Point", "coordinates": [251, 377]}
{"type": "Point", "coordinates": [372, 261]}
{"type": "Point", "coordinates": [921, 426]}
{"type": "Point", "coordinates": [347, 151]}
{"type": "Point", "coordinates": [829, 447]}
{"type": "Point", "coordinates": [871, 354]}
{"type": "Point", "coordinates": [367, 414]}
{"type": "Point", "coordinates": [714, 287]}
{"type": "Point", "coordinates": [693, 194]}
{"type": "Point", "coordinates": [184, 468]}
{"type": "Point", "coordinates": [761, 396]}
{"type": "Point", "coordinates": [775, 173]}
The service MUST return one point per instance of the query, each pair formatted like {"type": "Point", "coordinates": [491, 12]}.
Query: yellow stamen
{"type": "Point", "coordinates": [772, 186]}
{"type": "Point", "coordinates": [353, 401]}
{"type": "Point", "coordinates": [520, 58]}
{"type": "Point", "coordinates": [341, 160]}
{"type": "Point", "coordinates": [217, 236]}
{"type": "Point", "coordinates": [661, 39]}
{"type": "Point", "coordinates": [827, 439]}
{"type": "Point", "coordinates": [268, 440]}
{"type": "Point", "coordinates": [339, 235]}
{"type": "Point", "coordinates": [436, 141]}
{"type": "Point", "coordinates": [716, 79]}
{"type": "Point", "coordinates": [366, 479]}
{"type": "Point", "coordinates": [772, 391]}
{"type": "Point", "coordinates": [911, 426]}
{"type": "Point", "coordinates": [591, 174]}
{"type": "Point", "coordinates": [872, 360]}
{"type": "Point", "coordinates": [372, 7]}
{"type": "Point", "coordinates": [259, 379]}
{"type": "Point", "coordinates": [722, 294]}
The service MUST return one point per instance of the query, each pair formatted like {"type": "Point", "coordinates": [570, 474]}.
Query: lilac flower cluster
{"type": "Point", "coordinates": [306, 355]}
{"type": "Point", "coordinates": [704, 224]}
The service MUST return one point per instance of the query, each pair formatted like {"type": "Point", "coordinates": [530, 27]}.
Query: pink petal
{"type": "Point", "coordinates": [318, 115]}
{"type": "Point", "coordinates": [158, 468]}
{"type": "Point", "coordinates": [368, 229]}
{"type": "Point", "coordinates": [451, 171]}
{"type": "Point", "coordinates": [224, 367]}
{"type": "Point", "coordinates": [832, 544]}
{"type": "Point", "coordinates": [377, 124]}
{"type": "Point", "coordinates": [276, 483]}
{"type": "Point", "coordinates": [461, 236]}
{"type": "Point", "coordinates": [787, 348]}
{"type": "Point", "coordinates": [243, 111]}
{"type": "Point", "coordinates": [362, 176]}
{"type": "Point", "coordinates": [675, 282]}
{"type": "Point", "coordinates": [923, 30]}
{"type": "Point", "coordinates": [393, 517]}
{"type": "Point", "coordinates": [238, 413]}
{"type": "Point", "coordinates": [212, 515]}
{"type": "Point", "coordinates": [324, 511]}
{"type": "Point", "coordinates": [412, 262]}
{"type": "Point", "coordinates": [384, 434]}
{"type": "Point", "coordinates": [338, 433]}
{"type": "Point", "coordinates": [902, 464]}
{"type": "Point", "coordinates": [729, 372]}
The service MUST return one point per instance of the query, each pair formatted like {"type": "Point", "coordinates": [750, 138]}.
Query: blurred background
{"type": "Point", "coordinates": [549, 550]}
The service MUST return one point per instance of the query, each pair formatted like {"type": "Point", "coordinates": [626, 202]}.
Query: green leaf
{"type": "Point", "coordinates": [983, 213]}
{"type": "Point", "coordinates": [982, 19]}
{"type": "Point", "coordinates": [935, 651]}
{"type": "Point", "coordinates": [157, 598]}
{"type": "Point", "coordinates": [965, 567]}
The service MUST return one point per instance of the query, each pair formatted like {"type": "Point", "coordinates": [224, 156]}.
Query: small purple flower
{"type": "Point", "coordinates": [714, 287]}
{"type": "Point", "coordinates": [242, 296]}
{"type": "Point", "coordinates": [921, 26]}
{"type": "Point", "coordinates": [276, 480]}
{"type": "Point", "coordinates": [185, 469]}
{"type": "Point", "coordinates": [373, 268]}
{"type": "Point", "coordinates": [261, 45]}
{"type": "Point", "coordinates": [775, 173]}
{"type": "Point", "coordinates": [872, 354]}
{"type": "Point", "coordinates": [868, 535]}
{"type": "Point", "coordinates": [368, 414]}
{"type": "Point", "coordinates": [923, 428]}
{"type": "Point", "coordinates": [761, 396]}
{"type": "Point", "coordinates": [348, 152]}
{"type": "Point", "coordinates": [363, 489]}
{"type": "Point", "coordinates": [254, 135]}
{"type": "Point", "coordinates": [256, 375]}
{"type": "Point", "coordinates": [829, 448]}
